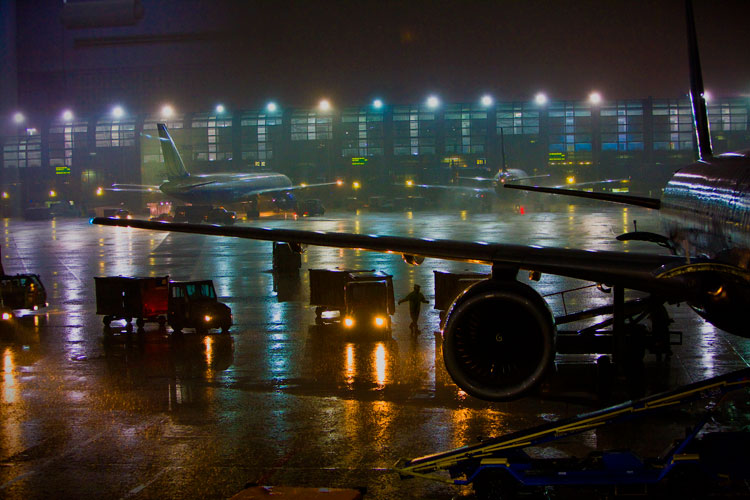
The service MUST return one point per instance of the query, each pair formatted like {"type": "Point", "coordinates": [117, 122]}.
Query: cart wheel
{"type": "Point", "coordinates": [129, 327]}
{"type": "Point", "coordinates": [225, 328]}
{"type": "Point", "coordinates": [107, 320]}
{"type": "Point", "coordinates": [139, 322]}
{"type": "Point", "coordinates": [162, 322]}
{"type": "Point", "coordinates": [128, 319]}
{"type": "Point", "coordinates": [177, 328]}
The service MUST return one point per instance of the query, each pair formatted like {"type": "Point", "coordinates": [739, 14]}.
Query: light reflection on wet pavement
{"type": "Point", "coordinates": [279, 400]}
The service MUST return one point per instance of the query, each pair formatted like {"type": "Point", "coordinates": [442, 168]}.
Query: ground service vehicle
{"type": "Point", "coordinates": [194, 214]}
{"type": "Point", "coordinates": [310, 208]}
{"type": "Point", "coordinates": [193, 304]}
{"type": "Point", "coordinates": [190, 304]}
{"type": "Point", "coordinates": [363, 299]}
{"type": "Point", "coordinates": [221, 216]}
{"type": "Point", "coordinates": [22, 291]}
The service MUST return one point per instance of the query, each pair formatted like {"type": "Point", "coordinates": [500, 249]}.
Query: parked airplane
{"type": "Point", "coordinates": [499, 336]}
{"type": "Point", "coordinates": [217, 188]}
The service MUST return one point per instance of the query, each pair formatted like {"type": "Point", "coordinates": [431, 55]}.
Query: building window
{"type": "Point", "coordinates": [311, 126]}
{"type": "Point", "coordinates": [362, 132]}
{"type": "Point", "coordinates": [518, 118]}
{"type": "Point", "coordinates": [570, 132]}
{"type": "Point", "coordinates": [115, 133]}
{"type": "Point", "coordinates": [673, 124]}
{"type": "Point", "coordinates": [259, 133]}
{"type": "Point", "coordinates": [211, 137]}
{"type": "Point", "coordinates": [727, 115]}
{"type": "Point", "coordinates": [621, 125]}
{"type": "Point", "coordinates": [63, 139]}
{"type": "Point", "coordinates": [22, 152]}
{"type": "Point", "coordinates": [465, 129]}
{"type": "Point", "coordinates": [414, 130]}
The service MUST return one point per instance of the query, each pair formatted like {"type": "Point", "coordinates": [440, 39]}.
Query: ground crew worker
{"type": "Point", "coordinates": [415, 299]}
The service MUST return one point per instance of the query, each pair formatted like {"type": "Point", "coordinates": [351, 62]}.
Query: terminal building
{"type": "Point", "coordinates": [73, 158]}
{"type": "Point", "coordinates": [87, 56]}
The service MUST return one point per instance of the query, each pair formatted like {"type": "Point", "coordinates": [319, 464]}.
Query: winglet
{"type": "Point", "coordinates": [697, 93]}
{"type": "Point", "coordinates": [172, 159]}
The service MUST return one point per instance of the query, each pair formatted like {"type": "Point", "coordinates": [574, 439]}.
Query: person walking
{"type": "Point", "coordinates": [415, 300]}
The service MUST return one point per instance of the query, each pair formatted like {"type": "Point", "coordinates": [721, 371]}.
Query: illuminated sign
{"type": "Point", "coordinates": [359, 162]}
{"type": "Point", "coordinates": [62, 170]}
{"type": "Point", "coordinates": [557, 157]}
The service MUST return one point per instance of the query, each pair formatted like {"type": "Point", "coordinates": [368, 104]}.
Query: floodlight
{"type": "Point", "coordinates": [541, 98]}
{"type": "Point", "coordinates": [595, 98]}
{"type": "Point", "coordinates": [118, 112]}
{"type": "Point", "coordinates": [487, 100]}
{"type": "Point", "coordinates": [167, 111]}
{"type": "Point", "coordinates": [433, 102]}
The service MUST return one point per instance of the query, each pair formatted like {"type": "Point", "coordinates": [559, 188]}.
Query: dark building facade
{"type": "Point", "coordinates": [641, 139]}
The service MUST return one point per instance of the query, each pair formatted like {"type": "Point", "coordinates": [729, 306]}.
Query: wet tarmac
{"type": "Point", "coordinates": [278, 400]}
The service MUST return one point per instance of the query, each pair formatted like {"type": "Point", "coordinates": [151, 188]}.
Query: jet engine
{"type": "Point", "coordinates": [498, 339]}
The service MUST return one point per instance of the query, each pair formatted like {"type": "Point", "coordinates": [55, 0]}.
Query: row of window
{"type": "Point", "coordinates": [464, 129]}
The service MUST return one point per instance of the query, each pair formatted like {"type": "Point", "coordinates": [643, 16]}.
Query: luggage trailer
{"type": "Point", "coordinates": [499, 465]}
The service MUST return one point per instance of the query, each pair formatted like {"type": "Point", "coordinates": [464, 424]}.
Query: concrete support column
{"type": "Point", "coordinates": [8, 66]}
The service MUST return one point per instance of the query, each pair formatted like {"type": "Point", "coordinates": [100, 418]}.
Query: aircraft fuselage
{"type": "Point", "coordinates": [706, 209]}
{"type": "Point", "coordinates": [506, 176]}
{"type": "Point", "coordinates": [222, 188]}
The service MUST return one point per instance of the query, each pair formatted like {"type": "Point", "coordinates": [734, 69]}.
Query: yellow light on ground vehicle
{"type": "Point", "coordinates": [207, 318]}
{"type": "Point", "coordinates": [348, 322]}
{"type": "Point", "coordinates": [7, 316]}
{"type": "Point", "coordinates": [379, 321]}
{"type": "Point", "coordinates": [410, 183]}
{"type": "Point", "coordinates": [356, 185]}
{"type": "Point", "coordinates": [571, 180]}
{"type": "Point", "coordinates": [339, 182]}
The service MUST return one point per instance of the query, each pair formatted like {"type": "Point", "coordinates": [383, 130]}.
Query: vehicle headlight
{"type": "Point", "coordinates": [348, 322]}
{"type": "Point", "coordinates": [379, 321]}
{"type": "Point", "coordinates": [7, 316]}
{"type": "Point", "coordinates": [207, 318]}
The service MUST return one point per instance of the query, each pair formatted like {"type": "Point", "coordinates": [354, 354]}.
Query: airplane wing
{"type": "Point", "coordinates": [456, 189]}
{"type": "Point", "coordinates": [491, 179]}
{"type": "Point", "coordinates": [640, 201]}
{"type": "Point", "coordinates": [136, 188]}
{"type": "Point", "coordinates": [630, 270]}
{"type": "Point", "coordinates": [294, 188]}
{"type": "Point", "coordinates": [499, 335]}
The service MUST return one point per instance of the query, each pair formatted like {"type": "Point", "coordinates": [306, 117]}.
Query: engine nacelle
{"type": "Point", "coordinates": [498, 339]}
{"type": "Point", "coordinates": [413, 260]}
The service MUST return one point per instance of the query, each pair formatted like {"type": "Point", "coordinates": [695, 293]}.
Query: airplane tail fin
{"type": "Point", "coordinates": [697, 93]}
{"type": "Point", "coordinates": [172, 159]}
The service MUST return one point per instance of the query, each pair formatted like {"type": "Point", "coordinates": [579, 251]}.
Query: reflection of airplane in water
{"type": "Point", "coordinates": [500, 336]}
{"type": "Point", "coordinates": [218, 188]}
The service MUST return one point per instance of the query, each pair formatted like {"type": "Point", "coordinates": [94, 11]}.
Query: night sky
{"type": "Point", "coordinates": [246, 52]}
{"type": "Point", "coordinates": [402, 50]}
